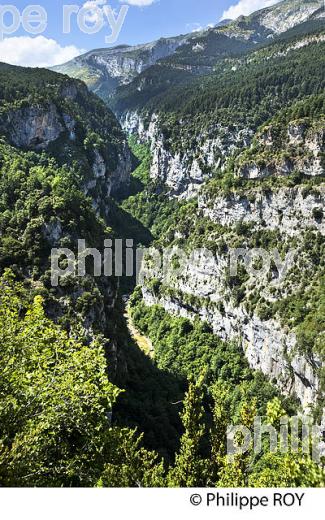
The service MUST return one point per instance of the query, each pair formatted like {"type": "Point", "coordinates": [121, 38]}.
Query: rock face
{"type": "Point", "coordinates": [288, 210]}
{"type": "Point", "coordinates": [120, 177]}
{"type": "Point", "coordinates": [303, 143]}
{"type": "Point", "coordinates": [280, 18]}
{"type": "Point", "coordinates": [35, 127]}
{"type": "Point", "coordinates": [38, 126]}
{"type": "Point", "coordinates": [274, 20]}
{"type": "Point", "coordinates": [201, 286]}
{"type": "Point", "coordinates": [185, 172]}
{"type": "Point", "coordinates": [266, 345]}
{"type": "Point", "coordinates": [105, 69]}
{"type": "Point", "coordinates": [105, 182]}
{"type": "Point", "coordinates": [124, 63]}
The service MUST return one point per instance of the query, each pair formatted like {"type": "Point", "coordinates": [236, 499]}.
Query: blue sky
{"type": "Point", "coordinates": [145, 20]}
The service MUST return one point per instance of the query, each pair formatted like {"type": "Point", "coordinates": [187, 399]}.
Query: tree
{"type": "Point", "coordinates": [236, 469]}
{"type": "Point", "coordinates": [218, 434]}
{"type": "Point", "coordinates": [130, 465]}
{"type": "Point", "coordinates": [294, 468]}
{"type": "Point", "coordinates": [189, 469]}
{"type": "Point", "coordinates": [56, 403]}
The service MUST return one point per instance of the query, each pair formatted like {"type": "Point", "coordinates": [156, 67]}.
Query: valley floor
{"type": "Point", "coordinates": [144, 343]}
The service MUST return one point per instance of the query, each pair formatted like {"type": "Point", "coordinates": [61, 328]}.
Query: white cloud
{"type": "Point", "coordinates": [246, 7]}
{"type": "Point", "coordinates": [90, 4]}
{"type": "Point", "coordinates": [139, 3]}
{"type": "Point", "coordinates": [95, 10]}
{"type": "Point", "coordinates": [36, 52]}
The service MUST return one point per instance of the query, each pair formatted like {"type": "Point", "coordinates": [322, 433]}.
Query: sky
{"type": "Point", "coordinates": [48, 37]}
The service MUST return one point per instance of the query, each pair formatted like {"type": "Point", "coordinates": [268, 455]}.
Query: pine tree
{"type": "Point", "coordinates": [190, 468]}
{"type": "Point", "coordinates": [129, 464]}
{"type": "Point", "coordinates": [218, 433]}
{"type": "Point", "coordinates": [236, 470]}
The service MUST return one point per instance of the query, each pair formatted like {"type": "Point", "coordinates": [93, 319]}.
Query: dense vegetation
{"type": "Point", "coordinates": [55, 412]}
{"type": "Point", "coordinates": [95, 127]}
{"type": "Point", "coordinates": [148, 202]}
{"type": "Point", "coordinates": [249, 97]}
{"type": "Point", "coordinates": [257, 84]}
{"type": "Point", "coordinates": [56, 403]}
{"type": "Point", "coordinates": [187, 349]}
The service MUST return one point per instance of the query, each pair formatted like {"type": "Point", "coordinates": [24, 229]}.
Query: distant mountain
{"type": "Point", "coordinates": [226, 21]}
{"type": "Point", "coordinates": [104, 70]}
{"type": "Point", "coordinates": [285, 15]}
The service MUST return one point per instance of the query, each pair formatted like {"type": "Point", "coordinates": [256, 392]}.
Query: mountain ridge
{"type": "Point", "coordinates": [104, 70]}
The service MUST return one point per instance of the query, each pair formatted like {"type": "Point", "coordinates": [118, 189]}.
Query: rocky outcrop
{"type": "Point", "coordinates": [34, 127]}
{"type": "Point", "coordinates": [301, 150]}
{"type": "Point", "coordinates": [53, 232]}
{"type": "Point", "coordinates": [120, 177]}
{"type": "Point", "coordinates": [124, 63]}
{"type": "Point", "coordinates": [274, 20]}
{"type": "Point", "coordinates": [275, 152]}
{"type": "Point", "coordinates": [267, 345]}
{"type": "Point", "coordinates": [288, 210]}
{"type": "Point", "coordinates": [202, 287]}
{"type": "Point", "coordinates": [288, 14]}
{"type": "Point", "coordinates": [106, 182]}
{"type": "Point", "coordinates": [184, 172]}
{"type": "Point", "coordinates": [105, 69]}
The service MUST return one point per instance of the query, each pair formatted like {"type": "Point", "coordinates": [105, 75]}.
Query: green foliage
{"type": "Point", "coordinates": [56, 405]}
{"type": "Point", "coordinates": [189, 468]}
{"type": "Point", "coordinates": [95, 126]}
{"type": "Point", "coordinates": [186, 348]}
{"type": "Point", "coordinates": [148, 202]}
{"type": "Point", "coordinates": [214, 467]}
{"type": "Point", "coordinates": [143, 156]}
{"type": "Point", "coordinates": [287, 471]}
{"type": "Point", "coordinates": [36, 194]}
{"type": "Point", "coordinates": [55, 398]}
{"type": "Point", "coordinates": [131, 465]}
